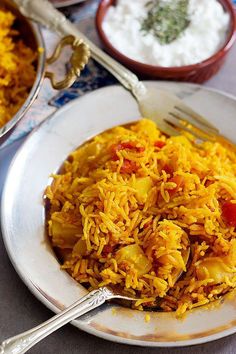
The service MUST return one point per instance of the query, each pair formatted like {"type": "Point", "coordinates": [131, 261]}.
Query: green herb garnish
{"type": "Point", "coordinates": [166, 19]}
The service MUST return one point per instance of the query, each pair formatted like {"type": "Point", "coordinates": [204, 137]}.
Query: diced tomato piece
{"type": "Point", "coordinates": [229, 213]}
{"type": "Point", "coordinates": [168, 169]}
{"type": "Point", "coordinates": [114, 148]}
{"type": "Point", "coordinates": [179, 181]}
{"type": "Point", "coordinates": [159, 144]}
{"type": "Point", "coordinates": [208, 183]}
{"type": "Point", "coordinates": [107, 249]}
{"type": "Point", "coordinates": [130, 145]}
{"type": "Point", "coordinates": [129, 167]}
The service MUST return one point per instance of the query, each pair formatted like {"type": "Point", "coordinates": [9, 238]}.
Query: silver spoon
{"type": "Point", "coordinates": [20, 343]}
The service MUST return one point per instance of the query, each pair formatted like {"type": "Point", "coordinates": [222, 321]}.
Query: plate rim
{"type": "Point", "coordinates": [36, 292]}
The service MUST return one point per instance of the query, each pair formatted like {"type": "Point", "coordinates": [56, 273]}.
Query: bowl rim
{"type": "Point", "coordinates": [41, 62]}
{"type": "Point", "coordinates": [231, 38]}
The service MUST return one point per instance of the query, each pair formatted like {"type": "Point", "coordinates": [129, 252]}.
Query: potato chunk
{"type": "Point", "coordinates": [143, 186]}
{"type": "Point", "coordinates": [80, 248]}
{"type": "Point", "coordinates": [64, 235]}
{"type": "Point", "coordinates": [213, 268]}
{"type": "Point", "coordinates": [134, 255]}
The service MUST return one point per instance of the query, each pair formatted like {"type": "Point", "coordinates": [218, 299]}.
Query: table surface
{"type": "Point", "coordinates": [20, 310]}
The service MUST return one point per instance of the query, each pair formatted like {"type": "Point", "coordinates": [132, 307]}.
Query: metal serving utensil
{"type": "Point", "coordinates": [22, 342]}
{"type": "Point", "coordinates": [166, 109]}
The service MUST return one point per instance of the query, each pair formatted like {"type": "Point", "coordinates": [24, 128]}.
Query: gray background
{"type": "Point", "coordinates": [20, 310]}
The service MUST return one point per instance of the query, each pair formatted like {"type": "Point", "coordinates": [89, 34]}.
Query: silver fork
{"type": "Point", "coordinates": [166, 109]}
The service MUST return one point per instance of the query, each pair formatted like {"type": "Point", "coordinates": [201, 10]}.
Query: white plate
{"type": "Point", "coordinates": [23, 217]}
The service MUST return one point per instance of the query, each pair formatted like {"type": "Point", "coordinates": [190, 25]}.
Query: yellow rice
{"type": "Point", "coordinates": [17, 72]}
{"type": "Point", "coordinates": [122, 189]}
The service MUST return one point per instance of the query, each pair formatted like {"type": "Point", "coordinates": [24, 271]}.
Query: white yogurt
{"type": "Point", "coordinates": [201, 39]}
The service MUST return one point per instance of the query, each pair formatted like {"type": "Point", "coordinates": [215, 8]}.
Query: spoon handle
{"type": "Point", "coordinates": [43, 12]}
{"type": "Point", "coordinates": [22, 342]}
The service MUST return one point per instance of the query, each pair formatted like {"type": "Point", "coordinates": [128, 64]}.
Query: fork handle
{"type": "Point", "coordinates": [43, 12]}
{"type": "Point", "coordinates": [24, 341]}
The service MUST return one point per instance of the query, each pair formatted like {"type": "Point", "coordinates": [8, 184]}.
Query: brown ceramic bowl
{"type": "Point", "coordinates": [199, 72]}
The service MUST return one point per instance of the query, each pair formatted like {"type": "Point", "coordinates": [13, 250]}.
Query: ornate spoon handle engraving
{"type": "Point", "coordinates": [24, 341]}
{"type": "Point", "coordinates": [43, 12]}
